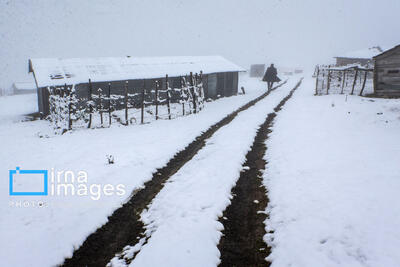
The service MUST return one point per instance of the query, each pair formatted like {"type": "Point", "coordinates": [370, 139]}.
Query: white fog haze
{"type": "Point", "coordinates": [286, 32]}
{"type": "Point", "coordinates": [199, 133]}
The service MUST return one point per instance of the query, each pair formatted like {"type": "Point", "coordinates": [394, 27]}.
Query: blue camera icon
{"type": "Point", "coordinates": [28, 182]}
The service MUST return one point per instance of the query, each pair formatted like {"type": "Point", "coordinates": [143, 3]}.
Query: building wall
{"type": "Point", "coordinates": [257, 70]}
{"type": "Point", "coordinates": [343, 61]}
{"type": "Point", "coordinates": [215, 85]}
{"type": "Point", "coordinates": [387, 74]}
{"type": "Point", "coordinates": [24, 91]}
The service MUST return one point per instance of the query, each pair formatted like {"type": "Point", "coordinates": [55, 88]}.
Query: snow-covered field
{"type": "Point", "coordinates": [334, 180]}
{"type": "Point", "coordinates": [14, 107]}
{"type": "Point", "coordinates": [43, 236]}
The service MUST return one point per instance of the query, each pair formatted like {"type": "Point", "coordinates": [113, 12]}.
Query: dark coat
{"type": "Point", "coordinates": [271, 75]}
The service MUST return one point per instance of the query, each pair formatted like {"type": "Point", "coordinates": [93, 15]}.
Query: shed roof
{"type": "Point", "coordinates": [58, 71]}
{"type": "Point", "coordinates": [387, 51]}
{"type": "Point", "coordinates": [366, 53]}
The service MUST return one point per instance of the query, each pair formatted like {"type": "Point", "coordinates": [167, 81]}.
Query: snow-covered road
{"type": "Point", "coordinates": [183, 218]}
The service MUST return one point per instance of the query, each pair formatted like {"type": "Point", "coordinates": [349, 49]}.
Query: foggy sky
{"type": "Point", "coordinates": [287, 32]}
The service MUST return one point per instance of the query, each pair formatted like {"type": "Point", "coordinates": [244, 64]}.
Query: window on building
{"type": "Point", "coordinates": [393, 71]}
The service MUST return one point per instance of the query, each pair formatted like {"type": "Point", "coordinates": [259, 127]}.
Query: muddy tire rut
{"type": "Point", "coordinates": [242, 242]}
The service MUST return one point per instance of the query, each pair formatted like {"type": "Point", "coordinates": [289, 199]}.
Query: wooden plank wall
{"type": "Point", "coordinates": [387, 74]}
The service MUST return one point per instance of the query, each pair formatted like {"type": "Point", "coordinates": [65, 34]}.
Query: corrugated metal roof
{"type": "Point", "coordinates": [58, 71]}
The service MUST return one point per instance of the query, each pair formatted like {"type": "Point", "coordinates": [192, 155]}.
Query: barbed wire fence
{"type": "Point", "coordinates": [102, 108]}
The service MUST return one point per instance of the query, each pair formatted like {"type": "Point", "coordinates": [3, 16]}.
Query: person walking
{"type": "Point", "coordinates": [271, 76]}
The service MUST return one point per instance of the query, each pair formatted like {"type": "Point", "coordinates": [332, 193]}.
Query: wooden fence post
{"type": "Point", "coordinates": [354, 82]}
{"type": "Point", "coordinates": [109, 104]}
{"type": "Point", "coordinates": [343, 79]}
{"type": "Point", "coordinates": [126, 103]}
{"type": "Point", "coordinates": [202, 94]}
{"type": "Point", "coordinates": [142, 108]}
{"type": "Point", "coordinates": [68, 94]}
{"type": "Point", "coordinates": [182, 94]}
{"type": "Point", "coordinates": [197, 90]}
{"type": "Point", "coordinates": [90, 104]}
{"type": "Point", "coordinates": [316, 82]}
{"type": "Point", "coordinates": [328, 85]}
{"type": "Point", "coordinates": [168, 97]}
{"type": "Point", "coordinates": [101, 106]}
{"type": "Point", "coordinates": [193, 93]}
{"type": "Point", "coordinates": [157, 85]}
{"type": "Point", "coordinates": [363, 85]}
{"type": "Point", "coordinates": [187, 84]}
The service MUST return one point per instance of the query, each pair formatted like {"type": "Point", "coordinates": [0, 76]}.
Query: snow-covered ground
{"type": "Point", "coordinates": [43, 236]}
{"type": "Point", "coordinates": [334, 180]}
{"type": "Point", "coordinates": [14, 107]}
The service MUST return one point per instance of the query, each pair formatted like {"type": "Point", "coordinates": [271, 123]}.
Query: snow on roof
{"type": "Point", "coordinates": [350, 66]}
{"type": "Point", "coordinates": [364, 53]}
{"type": "Point", "coordinates": [58, 71]}
{"type": "Point", "coordinates": [386, 51]}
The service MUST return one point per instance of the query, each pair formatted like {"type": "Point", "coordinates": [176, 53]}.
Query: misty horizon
{"type": "Point", "coordinates": [286, 33]}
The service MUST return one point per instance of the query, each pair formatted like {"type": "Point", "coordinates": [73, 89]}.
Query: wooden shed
{"type": "Point", "coordinates": [220, 76]}
{"type": "Point", "coordinates": [387, 73]}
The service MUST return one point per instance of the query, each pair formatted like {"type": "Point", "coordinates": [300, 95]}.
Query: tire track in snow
{"type": "Point", "coordinates": [124, 226]}
{"type": "Point", "coordinates": [182, 220]}
{"type": "Point", "coordinates": [242, 242]}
